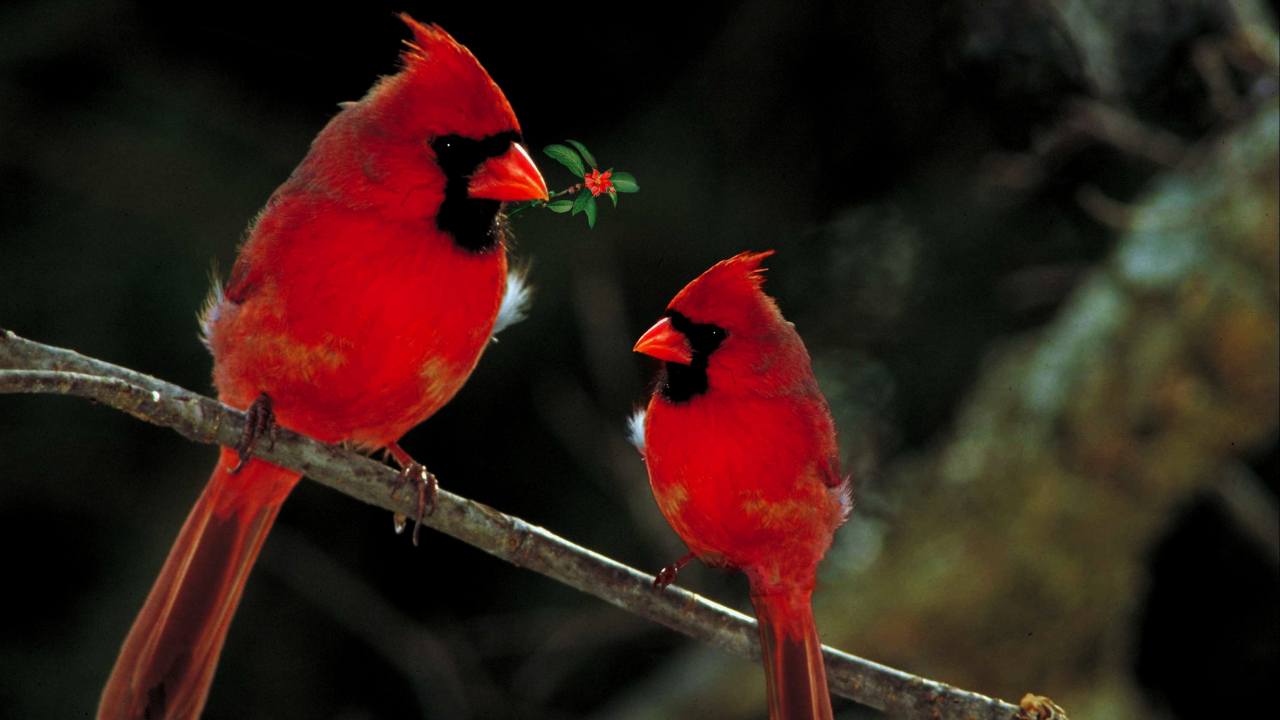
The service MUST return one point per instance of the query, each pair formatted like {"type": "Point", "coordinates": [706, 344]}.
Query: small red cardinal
{"type": "Point", "coordinates": [358, 306]}
{"type": "Point", "coordinates": [742, 458]}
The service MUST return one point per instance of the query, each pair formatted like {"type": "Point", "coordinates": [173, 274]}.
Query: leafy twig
{"type": "Point", "coordinates": [596, 182]}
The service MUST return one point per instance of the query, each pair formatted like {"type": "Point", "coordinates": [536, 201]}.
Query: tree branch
{"type": "Point", "coordinates": [30, 367]}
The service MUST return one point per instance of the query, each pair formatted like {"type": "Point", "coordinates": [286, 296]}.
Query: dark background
{"type": "Point", "coordinates": [941, 180]}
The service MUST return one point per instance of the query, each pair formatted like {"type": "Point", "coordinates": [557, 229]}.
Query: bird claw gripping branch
{"type": "Point", "coordinates": [668, 574]}
{"type": "Point", "coordinates": [259, 421]}
{"type": "Point", "coordinates": [413, 473]}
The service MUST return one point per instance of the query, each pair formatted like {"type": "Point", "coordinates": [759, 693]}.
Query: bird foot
{"type": "Point", "coordinates": [260, 421]}
{"type": "Point", "coordinates": [427, 485]}
{"type": "Point", "coordinates": [667, 575]}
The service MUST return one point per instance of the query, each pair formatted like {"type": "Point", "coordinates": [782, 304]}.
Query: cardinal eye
{"type": "Point", "coordinates": [718, 332]}
{"type": "Point", "coordinates": [451, 151]}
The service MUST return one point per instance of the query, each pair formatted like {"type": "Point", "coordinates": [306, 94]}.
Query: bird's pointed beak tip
{"type": "Point", "coordinates": [664, 342]}
{"type": "Point", "coordinates": [510, 177]}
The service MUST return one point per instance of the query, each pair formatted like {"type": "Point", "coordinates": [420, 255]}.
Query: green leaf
{"type": "Point", "coordinates": [566, 157]}
{"type": "Point", "coordinates": [625, 182]}
{"type": "Point", "coordinates": [560, 206]}
{"type": "Point", "coordinates": [590, 210]}
{"type": "Point", "coordinates": [613, 195]}
{"type": "Point", "coordinates": [586, 154]}
{"type": "Point", "coordinates": [580, 202]}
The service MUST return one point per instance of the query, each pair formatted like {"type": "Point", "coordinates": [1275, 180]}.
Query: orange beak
{"type": "Point", "coordinates": [665, 342]}
{"type": "Point", "coordinates": [509, 177]}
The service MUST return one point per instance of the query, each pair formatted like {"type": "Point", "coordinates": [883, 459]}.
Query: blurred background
{"type": "Point", "coordinates": [1032, 247]}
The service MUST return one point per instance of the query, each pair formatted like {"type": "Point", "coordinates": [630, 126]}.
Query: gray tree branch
{"type": "Point", "coordinates": [31, 367]}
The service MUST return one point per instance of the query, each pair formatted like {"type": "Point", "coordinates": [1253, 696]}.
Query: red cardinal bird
{"type": "Point", "coordinates": [741, 451]}
{"type": "Point", "coordinates": [358, 306]}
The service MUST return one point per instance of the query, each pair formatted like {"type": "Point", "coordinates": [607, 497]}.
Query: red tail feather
{"type": "Point", "coordinates": [166, 665]}
{"type": "Point", "coordinates": [794, 674]}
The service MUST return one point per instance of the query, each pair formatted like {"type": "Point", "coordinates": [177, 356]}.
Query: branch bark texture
{"type": "Point", "coordinates": [30, 367]}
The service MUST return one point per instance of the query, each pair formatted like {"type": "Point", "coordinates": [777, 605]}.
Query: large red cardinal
{"type": "Point", "coordinates": [741, 452]}
{"type": "Point", "coordinates": [359, 304]}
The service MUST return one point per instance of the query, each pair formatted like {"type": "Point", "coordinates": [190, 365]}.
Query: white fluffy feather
{"type": "Point", "coordinates": [515, 300]}
{"type": "Point", "coordinates": [635, 428]}
{"type": "Point", "coordinates": [209, 312]}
